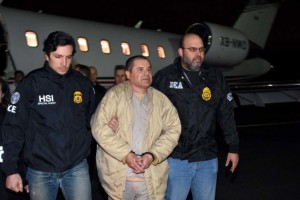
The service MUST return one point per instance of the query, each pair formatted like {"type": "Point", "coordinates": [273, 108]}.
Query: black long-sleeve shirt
{"type": "Point", "coordinates": [202, 102]}
{"type": "Point", "coordinates": [49, 116]}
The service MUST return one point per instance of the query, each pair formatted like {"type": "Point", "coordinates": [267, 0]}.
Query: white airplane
{"type": "Point", "coordinates": [105, 45]}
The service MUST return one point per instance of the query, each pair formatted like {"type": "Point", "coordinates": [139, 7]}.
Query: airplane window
{"type": "Point", "coordinates": [82, 42]}
{"type": "Point", "coordinates": [31, 39]}
{"type": "Point", "coordinates": [209, 40]}
{"type": "Point", "coordinates": [105, 46]}
{"type": "Point", "coordinates": [161, 52]}
{"type": "Point", "coordinates": [125, 48]}
{"type": "Point", "coordinates": [145, 50]}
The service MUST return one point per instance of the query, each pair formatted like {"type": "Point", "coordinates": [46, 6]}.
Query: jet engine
{"type": "Point", "coordinates": [224, 46]}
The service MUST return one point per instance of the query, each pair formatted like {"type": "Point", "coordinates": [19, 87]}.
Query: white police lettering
{"type": "Point", "coordinates": [1, 153]}
{"type": "Point", "coordinates": [11, 108]}
{"type": "Point", "coordinates": [176, 85]}
{"type": "Point", "coordinates": [46, 100]}
{"type": "Point", "coordinates": [229, 96]}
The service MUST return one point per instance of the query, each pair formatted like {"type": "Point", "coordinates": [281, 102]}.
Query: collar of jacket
{"type": "Point", "coordinates": [54, 75]}
{"type": "Point", "coordinates": [204, 69]}
{"type": "Point", "coordinates": [129, 91]}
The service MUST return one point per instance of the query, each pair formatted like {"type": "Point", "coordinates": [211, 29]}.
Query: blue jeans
{"type": "Point", "coordinates": [199, 177]}
{"type": "Point", "coordinates": [74, 183]}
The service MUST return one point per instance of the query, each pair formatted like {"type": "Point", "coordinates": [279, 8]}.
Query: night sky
{"type": "Point", "coordinates": [282, 48]}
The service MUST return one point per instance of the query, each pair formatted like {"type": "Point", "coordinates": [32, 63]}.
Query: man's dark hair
{"type": "Point", "coordinates": [184, 36]}
{"type": "Point", "coordinates": [118, 67]}
{"type": "Point", "coordinates": [5, 92]}
{"type": "Point", "coordinates": [58, 38]}
{"type": "Point", "coordinates": [84, 70]}
{"type": "Point", "coordinates": [130, 61]}
{"type": "Point", "coordinates": [19, 72]}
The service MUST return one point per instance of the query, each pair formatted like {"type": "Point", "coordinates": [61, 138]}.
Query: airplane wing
{"type": "Point", "coordinates": [262, 93]}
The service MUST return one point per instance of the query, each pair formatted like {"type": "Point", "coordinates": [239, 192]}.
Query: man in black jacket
{"type": "Point", "coordinates": [202, 98]}
{"type": "Point", "coordinates": [48, 115]}
{"type": "Point", "coordinates": [6, 194]}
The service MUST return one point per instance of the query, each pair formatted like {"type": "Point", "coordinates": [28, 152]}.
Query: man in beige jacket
{"type": "Point", "coordinates": [131, 160]}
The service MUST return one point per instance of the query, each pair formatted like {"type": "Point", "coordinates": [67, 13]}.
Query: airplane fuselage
{"type": "Point", "coordinates": [105, 45]}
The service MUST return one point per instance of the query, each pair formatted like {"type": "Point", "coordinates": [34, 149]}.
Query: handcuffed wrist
{"type": "Point", "coordinates": [151, 154]}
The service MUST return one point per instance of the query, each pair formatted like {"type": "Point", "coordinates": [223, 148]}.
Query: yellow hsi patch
{"type": "Point", "coordinates": [77, 97]}
{"type": "Point", "coordinates": [206, 94]}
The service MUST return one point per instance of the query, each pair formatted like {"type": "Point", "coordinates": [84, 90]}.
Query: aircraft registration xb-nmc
{"type": "Point", "coordinates": [105, 45]}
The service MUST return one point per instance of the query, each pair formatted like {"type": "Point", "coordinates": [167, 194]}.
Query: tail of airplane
{"type": "Point", "coordinates": [255, 22]}
{"type": "Point", "coordinates": [239, 48]}
{"type": "Point", "coordinates": [257, 19]}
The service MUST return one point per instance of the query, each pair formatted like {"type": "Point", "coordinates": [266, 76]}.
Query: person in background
{"type": "Point", "coordinates": [49, 118]}
{"type": "Point", "coordinates": [93, 74]}
{"type": "Point", "coordinates": [83, 69]}
{"type": "Point", "coordinates": [77, 67]}
{"type": "Point", "coordinates": [18, 76]}
{"type": "Point", "coordinates": [6, 194]}
{"type": "Point", "coordinates": [131, 158]}
{"type": "Point", "coordinates": [97, 189]}
{"type": "Point", "coordinates": [202, 97]}
{"type": "Point", "coordinates": [120, 75]}
{"type": "Point", "coordinates": [99, 89]}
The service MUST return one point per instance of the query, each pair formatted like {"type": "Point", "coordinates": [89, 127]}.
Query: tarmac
{"type": "Point", "coordinates": [269, 155]}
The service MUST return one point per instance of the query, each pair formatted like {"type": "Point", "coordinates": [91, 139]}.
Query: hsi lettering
{"type": "Point", "coordinates": [46, 100]}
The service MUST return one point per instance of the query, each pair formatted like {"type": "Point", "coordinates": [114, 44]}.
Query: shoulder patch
{"type": "Point", "coordinates": [15, 98]}
{"type": "Point", "coordinates": [229, 96]}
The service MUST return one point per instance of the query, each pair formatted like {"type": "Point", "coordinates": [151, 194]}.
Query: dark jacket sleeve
{"type": "Point", "coordinates": [91, 106]}
{"type": "Point", "coordinates": [14, 127]}
{"type": "Point", "coordinates": [226, 117]}
{"type": "Point", "coordinates": [159, 81]}
{"type": "Point", "coordinates": [2, 115]}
